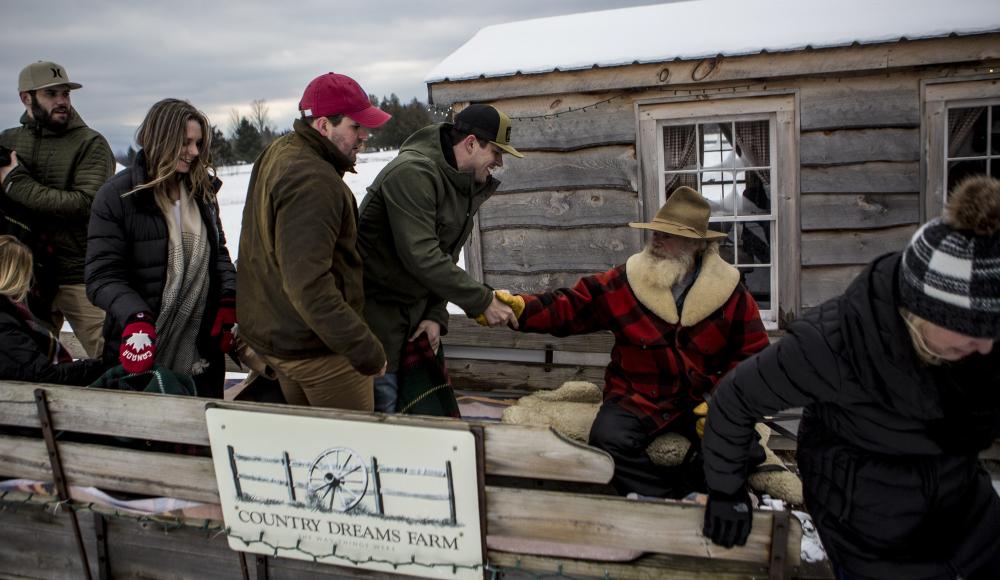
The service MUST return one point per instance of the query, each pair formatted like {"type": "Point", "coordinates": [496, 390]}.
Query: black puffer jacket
{"type": "Point", "coordinates": [127, 257]}
{"type": "Point", "coordinates": [887, 446]}
{"type": "Point", "coordinates": [26, 354]}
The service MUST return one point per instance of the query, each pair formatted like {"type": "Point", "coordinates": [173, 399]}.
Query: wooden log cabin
{"type": "Point", "coordinates": [822, 133]}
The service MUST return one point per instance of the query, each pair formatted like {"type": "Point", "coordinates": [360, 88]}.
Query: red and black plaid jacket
{"type": "Point", "coordinates": [658, 370]}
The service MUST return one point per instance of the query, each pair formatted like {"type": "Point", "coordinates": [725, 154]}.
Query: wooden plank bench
{"type": "Point", "coordinates": [493, 359]}
{"type": "Point", "coordinates": [670, 532]}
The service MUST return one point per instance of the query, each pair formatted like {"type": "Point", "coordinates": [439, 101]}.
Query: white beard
{"type": "Point", "coordinates": [662, 273]}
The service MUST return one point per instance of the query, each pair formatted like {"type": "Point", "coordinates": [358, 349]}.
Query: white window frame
{"type": "Point", "coordinates": [938, 97]}
{"type": "Point", "coordinates": [780, 110]}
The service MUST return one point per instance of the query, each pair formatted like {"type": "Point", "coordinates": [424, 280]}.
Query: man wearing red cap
{"type": "Point", "coordinates": [299, 292]}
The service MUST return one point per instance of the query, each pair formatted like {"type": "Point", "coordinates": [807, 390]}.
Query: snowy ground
{"type": "Point", "coordinates": [236, 178]}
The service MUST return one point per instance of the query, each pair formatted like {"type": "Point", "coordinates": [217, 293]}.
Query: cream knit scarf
{"type": "Point", "coordinates": [186, 289]}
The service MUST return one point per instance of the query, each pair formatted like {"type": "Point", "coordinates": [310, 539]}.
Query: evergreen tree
{"type": "Point", "coordinates": [222, 149]}
{"type": "Point", "coordinates": [406, 119]}
{"type": "Point", "coordinates": [126, 158]}
{"type": "Point", "coordinates": [247, 141]}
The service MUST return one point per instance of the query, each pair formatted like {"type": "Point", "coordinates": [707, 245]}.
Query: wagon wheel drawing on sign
{"type": "Point", "coordinates": [338, 479]}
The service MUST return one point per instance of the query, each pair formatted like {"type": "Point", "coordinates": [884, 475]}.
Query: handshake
{"type": "Point", "coordinates": [505, 309]}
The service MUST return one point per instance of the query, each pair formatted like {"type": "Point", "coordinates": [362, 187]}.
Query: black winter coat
{"type": "Point", "coordinates": [887, 445]}
{"type": "Point", "coordinates": [126, 267]}
{"type": "Point", "coordinates": [26, 354]}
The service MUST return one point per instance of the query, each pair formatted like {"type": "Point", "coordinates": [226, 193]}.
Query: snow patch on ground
{"type": "Point", "coordinates": [236, 179]}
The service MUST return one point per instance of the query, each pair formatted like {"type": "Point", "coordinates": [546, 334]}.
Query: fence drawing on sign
{"type": "Point", "coordinates": [342, 480]}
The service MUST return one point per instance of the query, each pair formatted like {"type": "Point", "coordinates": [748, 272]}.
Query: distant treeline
{"type": "Point", "coordinates": [250, 134]}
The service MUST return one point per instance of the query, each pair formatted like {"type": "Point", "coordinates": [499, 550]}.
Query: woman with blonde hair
{"type": "Point", "coordinates": [157, 260]}
{"type": "Point", "coordinates": [899, 379]}
{"type": "Point", "coordinates": [28, 350]}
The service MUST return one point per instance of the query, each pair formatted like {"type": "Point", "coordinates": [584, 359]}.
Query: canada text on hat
{"type": "Point", "coordinates": [43, 74]}
{"type": "Point", "coordinates": [333, 94]}
{"type": "Point", "coordinates": [486, 122]}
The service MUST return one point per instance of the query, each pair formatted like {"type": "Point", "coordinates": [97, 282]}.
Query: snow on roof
{"type": "Point", "coordinates": [705, 28]}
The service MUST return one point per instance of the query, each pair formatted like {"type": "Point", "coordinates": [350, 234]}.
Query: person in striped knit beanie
{"type": "Point", "coordinates": [949, 278]}
{"type": "Point", "coordinates": [899, 381]}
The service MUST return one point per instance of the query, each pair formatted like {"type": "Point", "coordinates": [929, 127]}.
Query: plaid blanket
{"type": "Point", "coordinates": [424, 388]}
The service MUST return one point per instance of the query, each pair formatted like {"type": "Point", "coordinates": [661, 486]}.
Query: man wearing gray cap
{"type": "Point", "coordinates": [57, 165]}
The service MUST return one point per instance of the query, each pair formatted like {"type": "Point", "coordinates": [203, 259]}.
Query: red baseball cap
{"type": "Point", "coordinates": [334, 94]}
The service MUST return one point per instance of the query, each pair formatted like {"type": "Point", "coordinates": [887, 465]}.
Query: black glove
{"type": "Point", "coordinates": [728, 518]}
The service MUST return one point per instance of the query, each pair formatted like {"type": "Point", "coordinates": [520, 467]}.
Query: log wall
{"type": "Point", "coordinates": [562, 211]}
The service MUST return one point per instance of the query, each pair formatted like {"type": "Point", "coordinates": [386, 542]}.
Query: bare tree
{"type": "Point", "coordinates": [259, 116]}
{"type": "Point", "coordinates": [234, 121]}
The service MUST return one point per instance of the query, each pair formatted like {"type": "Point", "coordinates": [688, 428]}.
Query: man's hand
{"type": "Point", "coordinates": [433, 330]}
{"type": "Point", "coordinates": [701, 411]}
{"type": "Point", "coordinates": [498, 313]}
{"type": "Point", "coordinates": [728, 518]}
{"type": "Point", "coordinates": [4, 171]}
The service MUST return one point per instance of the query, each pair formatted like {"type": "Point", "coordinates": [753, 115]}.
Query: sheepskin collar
{"type": "Point", "coordinates": [712, 288]}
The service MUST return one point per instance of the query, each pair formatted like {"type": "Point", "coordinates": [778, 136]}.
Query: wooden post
{"type": "Point", "coordinates": [379, 507]}
{"type": "Point", "coordinates": [59, 478]}
{"type": "Point", "coordinates": [288, 476]}
{"type": "Point", "coordinates": [235, 471]}
{"type": "Point", "coordinates": [451, 492]}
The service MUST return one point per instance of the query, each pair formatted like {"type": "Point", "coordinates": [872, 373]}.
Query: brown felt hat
{"type": "Point", "coordinates": [684, 214]}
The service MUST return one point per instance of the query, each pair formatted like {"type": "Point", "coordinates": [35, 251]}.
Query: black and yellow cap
{"type": "Point", "coordinates": [486, 122]}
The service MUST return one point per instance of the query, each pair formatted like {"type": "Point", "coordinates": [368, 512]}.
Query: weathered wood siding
{"type": "Point", "coordinates": [561, 211]}
{"type": "Point", "coordinates": [859, 151]}
{"type": "Point", "coordinates": [563, 208]}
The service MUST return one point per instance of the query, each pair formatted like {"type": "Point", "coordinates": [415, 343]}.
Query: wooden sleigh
{"type": "Point", "coordinates": [38, 538]}
{"type": "Point", "coordinates": [538, 485]}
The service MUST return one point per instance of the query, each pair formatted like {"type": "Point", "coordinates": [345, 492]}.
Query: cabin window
{"type": "Point", "coordinates": [973, 142]}
{"type": "Point", "coordinates": [741, 153]}
{"type": "Point", "coordinates": [961, 130]}
{"type": "Point", "coordinates": [729, 162]}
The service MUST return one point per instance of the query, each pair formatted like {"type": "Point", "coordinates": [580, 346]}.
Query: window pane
{"type": "Point", "coordinates": [679, 151]}
{"type": "Point", "coordinates": [967, 132]}
{"type": "Point", "coordinates": [754, 194]}
{"type": "Point", "coordinates": [753, 144]}
{"type": "Point", "coordinates": [959, 170]}
{"type": "Point", "coordinates": [672, 181]}
{"type": "Point", "coordinates": [758, 282]}
{"type": "Point", "coordinates": [727, 244]}
{"type": "Point", "coordinates": [719, 188]}
{"type": "Point", "coordinates": [995, 131]}
{"type": "Point", "coordinates": [715, 146]}
{"type": "Point", "coordinates": [754, 242]}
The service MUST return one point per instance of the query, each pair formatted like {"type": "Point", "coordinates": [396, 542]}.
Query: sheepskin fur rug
{"type": "Point", "coordinates": [571, 410]}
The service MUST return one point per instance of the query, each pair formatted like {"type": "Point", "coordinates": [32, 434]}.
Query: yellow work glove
{"type": "Point", "coordinates": [515, 302]}
{"type": "Point", "coordinates": [701, 411]}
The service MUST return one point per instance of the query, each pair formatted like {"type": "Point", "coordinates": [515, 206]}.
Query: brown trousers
{"type": "Point", "coordinates": [326, 381]}
{"type": "Point", "coordinates": [86, 320]}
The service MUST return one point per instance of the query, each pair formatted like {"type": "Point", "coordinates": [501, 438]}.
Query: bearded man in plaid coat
{"type": "Point", "coordinates": [681, 320]}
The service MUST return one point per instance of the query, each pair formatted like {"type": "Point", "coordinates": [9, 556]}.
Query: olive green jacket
{"type": "Point", "coordinates": [52, 187]}
{"type": "Point", "coordinates": [298, 279]}
{"type": "Point", "coordinates": [416, 218]}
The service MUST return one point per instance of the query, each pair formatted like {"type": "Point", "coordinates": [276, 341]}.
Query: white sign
{"type": "Point", "coordinates": [380, 496]}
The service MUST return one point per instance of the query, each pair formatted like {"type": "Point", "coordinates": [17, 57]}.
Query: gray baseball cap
{"type": "Point", "coordinates": [43, 74]}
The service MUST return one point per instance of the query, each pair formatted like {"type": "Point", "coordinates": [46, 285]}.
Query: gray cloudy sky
{"type": "Point", "coordinates": [221, 55]}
